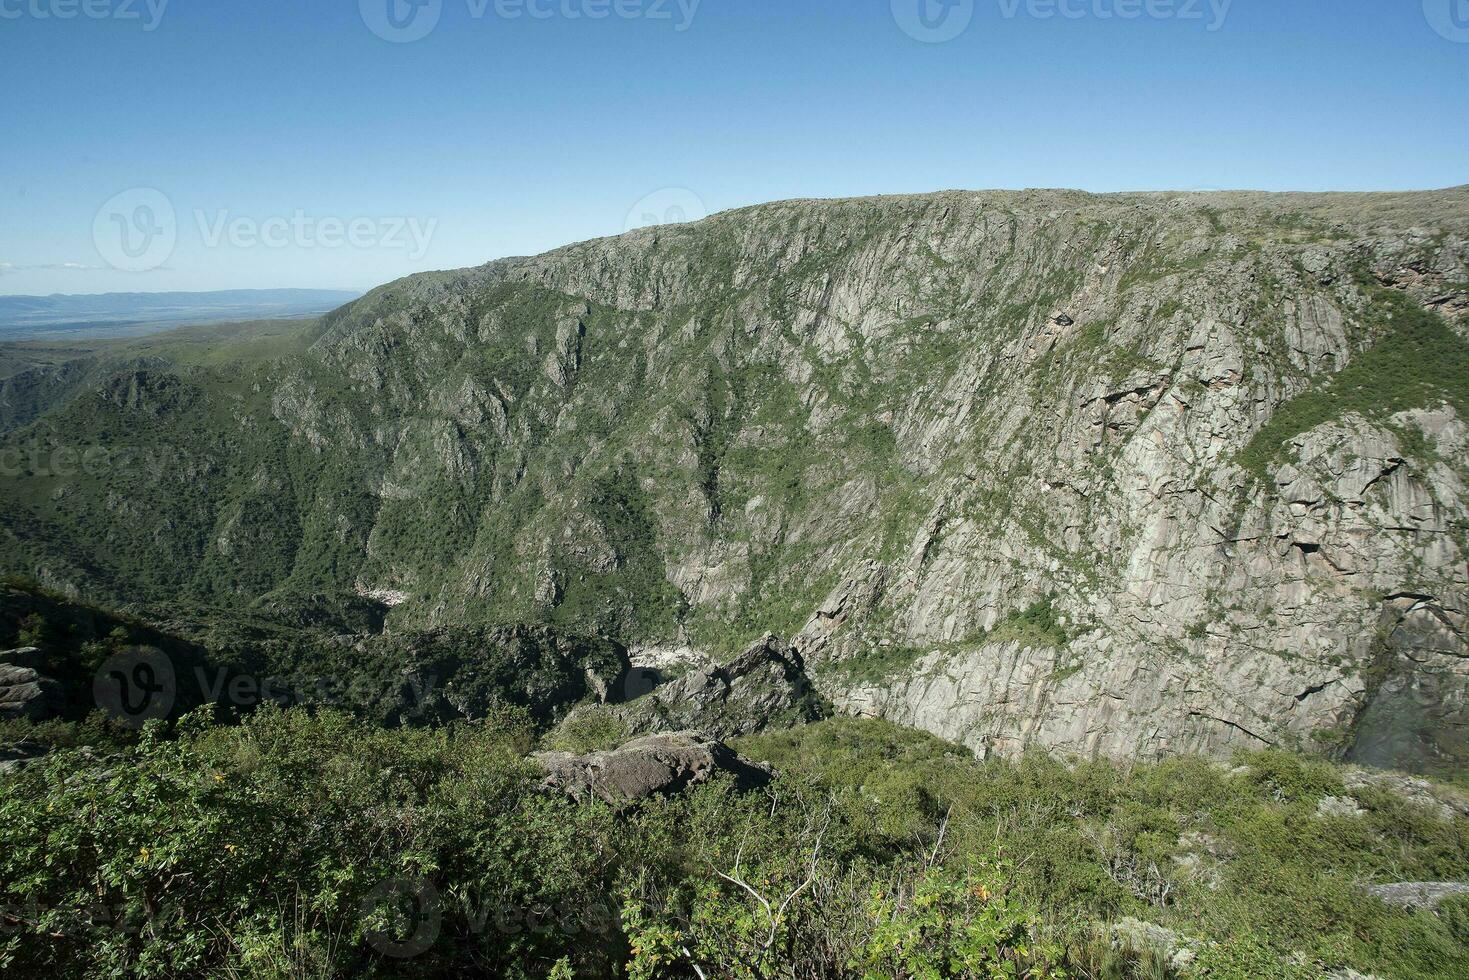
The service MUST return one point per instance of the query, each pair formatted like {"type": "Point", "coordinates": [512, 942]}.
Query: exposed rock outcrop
{"type": "Point", "coordinates": [1419, 894]}
{"type": "Point", "coordinates": [24, 691]}
{"type": "Point", "coordinates": [1442, 801]}
{"type": "Point", "coordinates": [652, 765]}
{"type": "Point", "coordinates": [1338, 807]}
{"type": "Point", "coordinates": [19, 754]}
{"type": "Point", "coordinates": [1270, 619]}
{"type": "Point", "coordinates": [765, 687]}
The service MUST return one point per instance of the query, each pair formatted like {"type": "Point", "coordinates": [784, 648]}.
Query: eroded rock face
{"type": "Point", "coordinates": [1419, 894]}
{"type": "Point", "coordinates": [24, 691]}
{"type": "Point", "coordinates": [902, 422]}
{"type": "Point", "coordinates": [649, 766]}
{"type": "Point", "coordinates": [764, 687]}
{"type": "Point", "coordinates": [1282, 616]}
{"type": "Point", "coordinates": [1082, 445]}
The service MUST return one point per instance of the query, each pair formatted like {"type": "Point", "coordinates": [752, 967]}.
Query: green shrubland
{"type": "Point", "coordinates": [311, 844]}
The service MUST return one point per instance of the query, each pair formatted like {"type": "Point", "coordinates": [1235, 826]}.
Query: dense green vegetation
{"type": "Point", "coordinates": [1417, 362]}
{"type": "Point", "coordinates": [255, 840]}
{"type": "Point", "coordinates": [282, 841]}
{"type": "Point", "coordinates": [305, 845]}
{"type": "Point", "coordinates": [1039, 624]}
{"type": "Point", "coordinates": [287, 654]}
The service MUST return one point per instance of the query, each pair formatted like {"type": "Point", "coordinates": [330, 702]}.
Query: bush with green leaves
{"type": "Point", "coordinates": [315, 845]}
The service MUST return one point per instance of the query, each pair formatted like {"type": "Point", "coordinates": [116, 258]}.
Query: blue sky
{"type": "Point", "coordinates": [294, 146]}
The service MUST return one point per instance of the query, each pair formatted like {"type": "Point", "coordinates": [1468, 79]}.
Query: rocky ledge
{"type": "Point", "coordinates": [655, 765]}
{"type": "Point", "coordinates": [24, 691]}
{"type": "Point", "coordinates": [764, 687]}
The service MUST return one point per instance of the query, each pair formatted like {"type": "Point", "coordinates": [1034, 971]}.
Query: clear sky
{"type": "Point", "coordinates": [212, 144]}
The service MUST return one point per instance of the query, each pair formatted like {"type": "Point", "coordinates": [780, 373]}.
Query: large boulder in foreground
{"type": "Point", "coordinates": [655, 765]}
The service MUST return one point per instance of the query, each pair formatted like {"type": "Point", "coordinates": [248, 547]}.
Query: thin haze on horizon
{"type": "Point", "coordinates": [163, 145]}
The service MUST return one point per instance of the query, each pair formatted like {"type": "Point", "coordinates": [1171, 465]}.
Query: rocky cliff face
{"type": "Point", "coordinates": [1125, 475]}
{"type": "Point", "coordinates": [764, 687]}
{"type": "Point", "coordinates": [1327, 605]}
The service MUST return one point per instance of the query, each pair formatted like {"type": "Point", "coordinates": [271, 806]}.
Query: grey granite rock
{"type": "Point", "coordinates": [764, 687]}
{"type": "Point", "coordinates": [648, 766]}
{"type": "Point", "coordinates": [887, 428]}
{"type": "Point", "coordinates": [24, 691]}
{"type": "Point", "coordinates": [1419, 894]}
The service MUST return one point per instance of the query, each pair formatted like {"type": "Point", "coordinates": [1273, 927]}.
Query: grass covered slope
{"type": "Point", "coordinates": [306, 846]}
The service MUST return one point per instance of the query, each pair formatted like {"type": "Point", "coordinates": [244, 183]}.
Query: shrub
{"type": "Point", "coordinates": [312, 844]}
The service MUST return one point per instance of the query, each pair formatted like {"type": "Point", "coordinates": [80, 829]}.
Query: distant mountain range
{"type": "Point", "coordinates": [132, 314]}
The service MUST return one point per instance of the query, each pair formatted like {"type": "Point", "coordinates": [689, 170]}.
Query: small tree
{"type": "Point", "coordinates": [33, 630]}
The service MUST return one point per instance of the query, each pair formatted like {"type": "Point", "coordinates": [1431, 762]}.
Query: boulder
{"type": "Point", "coordinates": [1338, 806]}
{"type": "Point", "coordinates": [1418, 894]}
{"type": "Point", "coordinates": [654, 765]}
{"type": "Point", "coordinates": [24, 691]}
{"type": "Point", "coordinates": [1136, 934]}
{"type": "Point", "coordinates": [13, 757]}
